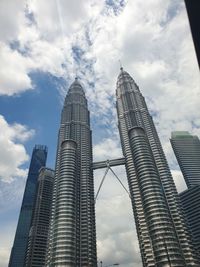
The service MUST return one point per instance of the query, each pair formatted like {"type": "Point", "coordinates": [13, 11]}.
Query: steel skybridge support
{"type": "Point", "coordinates": [108, 162]}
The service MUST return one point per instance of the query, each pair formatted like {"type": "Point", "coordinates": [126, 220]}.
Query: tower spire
{"type": "Point", "coordinates": [76, 74]}
{"type": "Point", "coordinates": [120, 64]}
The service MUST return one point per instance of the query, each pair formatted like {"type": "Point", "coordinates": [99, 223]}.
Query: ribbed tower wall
{"type": "Point", "coordinates": [159, 224]}
{"type": "Point", "coordinates": [64, 228]}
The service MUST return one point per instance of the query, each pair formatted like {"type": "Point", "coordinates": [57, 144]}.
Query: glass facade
{"type": "Point", "coordinates": [190, 200]}
{"type": "Point", "coordinates": [17, 257]}
{"type": "Point", "coordinates": [187, 151]}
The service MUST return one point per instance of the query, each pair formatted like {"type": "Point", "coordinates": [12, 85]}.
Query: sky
{"type": "Point", "coordinates": [43, 46]}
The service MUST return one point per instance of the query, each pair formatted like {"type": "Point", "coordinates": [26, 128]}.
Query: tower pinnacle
{"type": "Point", "coordinates": [120, 64]}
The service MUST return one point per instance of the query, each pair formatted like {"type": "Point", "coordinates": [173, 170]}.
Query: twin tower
{"type": "Point", "coordinates": [162, 235]}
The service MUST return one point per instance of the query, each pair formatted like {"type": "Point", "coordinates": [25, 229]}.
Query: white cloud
{"type": "Point", "coordinates": [116, 234]}
{"type": "Point", "coordinates": [13, 72]}
{"type": "Point", "coordinates": [7, 233]}
{"type": "Point", "coordinates": [13, 153]}
{"type": "Point", "coordinates": [107, 149]}
{"type": "Point", "coordinates": [11, 18]}
{"type": "Point", "coordinates": [60, 17]}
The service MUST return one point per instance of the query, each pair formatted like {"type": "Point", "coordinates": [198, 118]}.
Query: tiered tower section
{"type": "Point", "coordinates": [163, 238]}
{"type": "Point", "coordinates": [37, 241]}
{"type": "Point", "coordinates": [72, 240]}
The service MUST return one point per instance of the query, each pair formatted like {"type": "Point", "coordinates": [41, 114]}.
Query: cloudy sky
{"type": "Point", "coordinates": [43, 46]}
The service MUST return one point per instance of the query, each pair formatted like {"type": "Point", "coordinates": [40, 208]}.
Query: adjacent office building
{"type": "Point", "coordinates": [18, 253]}
{"type": "Point", "coordinates": [72, 239]}
{"type": "Point", "coordinates": [163, 237]}
{"type": "Point", "coordinates": [38, 235]}
{"type": "Point", "coordinates": [187, 151]}
{"type": "Point", "coordinates": [190, 200]}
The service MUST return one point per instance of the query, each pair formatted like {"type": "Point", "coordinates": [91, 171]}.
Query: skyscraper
{"type": "Point", "coordinates": [190, 200]}
{"type": "Point", "coordinates": [72, 239]}
{"type": "Point", "coordinates": [187, 150]}
{"type": "Point", "coordinates": [17, 257]}
{"type": "Point", "coordinates": [38, 235]}
{"type": "Point", "coordinates": [162, 235]}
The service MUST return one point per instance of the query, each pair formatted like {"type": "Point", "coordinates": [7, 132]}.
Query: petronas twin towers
{"type": "Point", "coordinates": [163, 238]}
